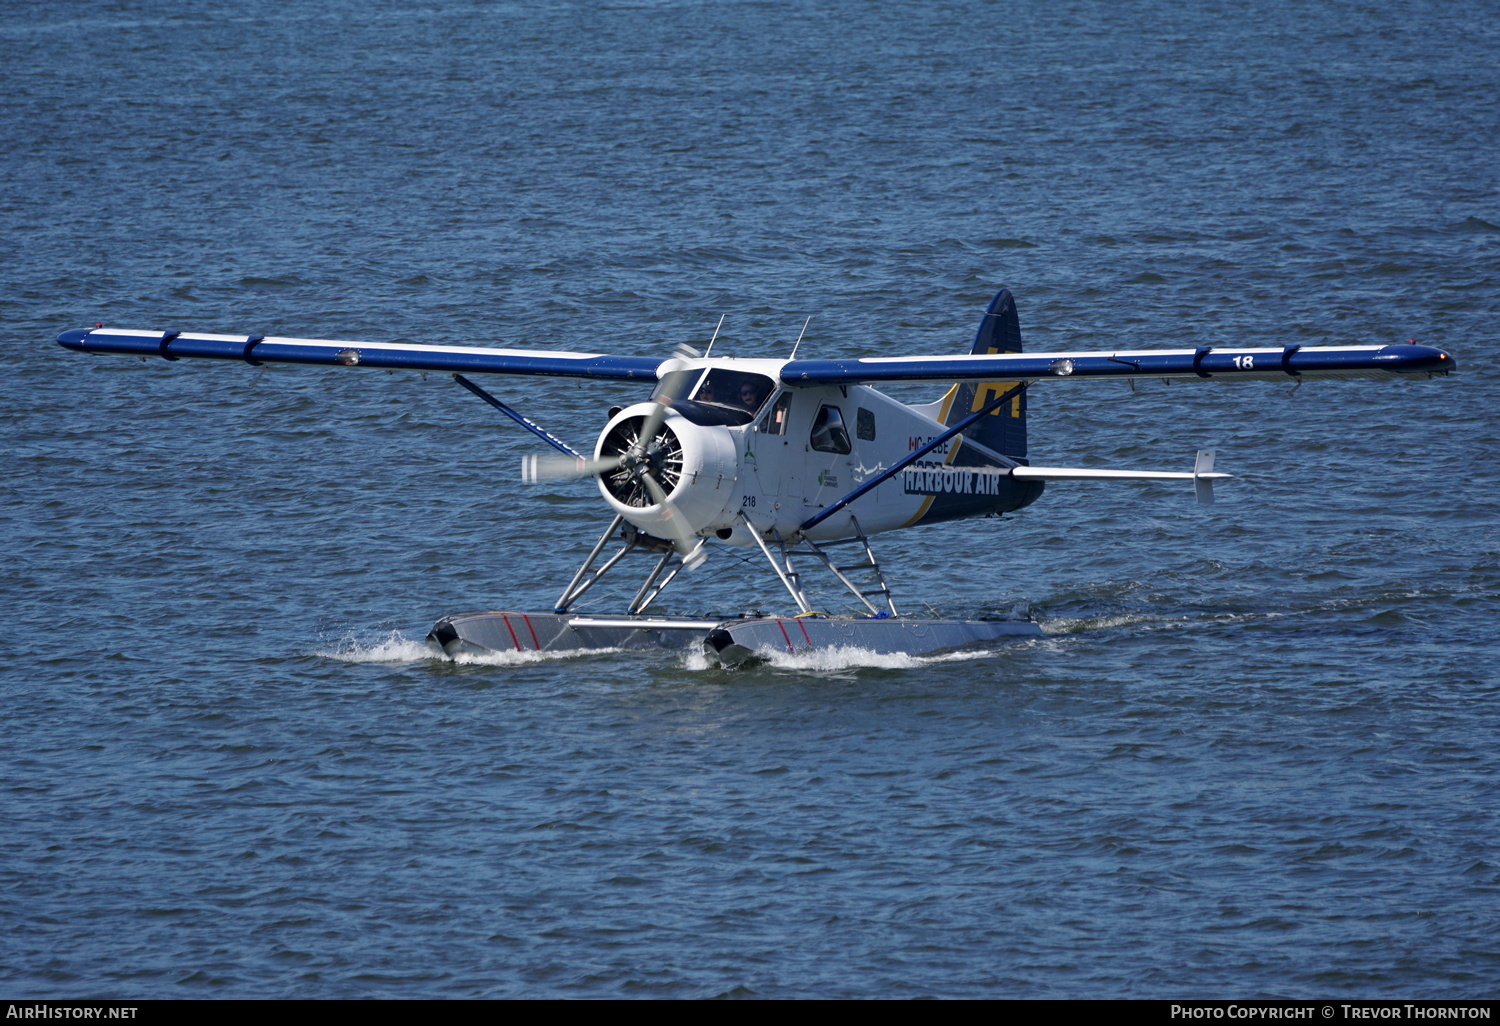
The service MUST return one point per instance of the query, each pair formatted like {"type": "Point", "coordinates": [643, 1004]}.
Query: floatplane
{"type": "Point", "coordinates": [801, 459]}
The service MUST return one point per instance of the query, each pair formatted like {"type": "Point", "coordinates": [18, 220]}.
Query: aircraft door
{"type": "Point", "coordinates": [828, 448]}
{"type": "Point", "coordinates": [773, 464]}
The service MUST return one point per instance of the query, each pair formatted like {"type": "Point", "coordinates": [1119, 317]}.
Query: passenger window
{"type": "Point", "coordinates": [864, 424]}
{"type": "Point", "coordinates": [828, 432]}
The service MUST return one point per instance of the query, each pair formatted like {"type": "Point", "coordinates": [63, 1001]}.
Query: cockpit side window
{"type": "Point", "coordinates": [829, 433]}
{"type": "Point", "coordinates": [774, 422]}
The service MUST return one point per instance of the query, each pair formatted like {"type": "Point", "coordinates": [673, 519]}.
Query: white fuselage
{"type": "Point", "coordinates": [805, 449]}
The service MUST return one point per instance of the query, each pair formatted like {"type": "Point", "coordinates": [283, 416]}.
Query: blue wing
{"type": "Point", "coordinates": [258, 349]}
{"type": "Point", "coordinates": [1203, 362]}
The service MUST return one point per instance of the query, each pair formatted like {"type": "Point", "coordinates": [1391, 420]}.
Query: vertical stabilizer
{"type": "Point", "coordinates": [1004, 430]}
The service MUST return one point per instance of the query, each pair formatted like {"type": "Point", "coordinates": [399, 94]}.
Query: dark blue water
{"type": "Point", "coordinates": [1255, 753]}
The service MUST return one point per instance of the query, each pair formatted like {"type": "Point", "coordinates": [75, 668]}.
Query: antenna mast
{"type": "Point", "coordinates": [799, 337]}
{"type": "Point", "coordinates": [716, 335]}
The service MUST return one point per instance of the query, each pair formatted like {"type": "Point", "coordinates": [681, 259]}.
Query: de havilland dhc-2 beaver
{"type": "Point", "coordinates": [802, 459]}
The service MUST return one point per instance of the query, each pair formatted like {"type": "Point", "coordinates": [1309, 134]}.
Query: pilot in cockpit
{"type": "Point", "coordinates": [751, 395]}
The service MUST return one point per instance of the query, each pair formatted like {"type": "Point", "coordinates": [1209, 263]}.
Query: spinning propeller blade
{"type": "Point", "coordinates": [682, 540]}
{"type": "Point", "coordinates": [536, 469]}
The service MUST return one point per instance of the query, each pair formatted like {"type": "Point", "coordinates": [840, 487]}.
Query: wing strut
{"type": "Point", "coordinates": [562, 447]}
{"type": "Point", "coordinates": [912, 457]}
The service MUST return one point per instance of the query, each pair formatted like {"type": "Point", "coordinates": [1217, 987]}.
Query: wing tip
{"type": "Point", "coordinates": [74, 339]}
{"type": "Point", "coordinates": [1412, 358]}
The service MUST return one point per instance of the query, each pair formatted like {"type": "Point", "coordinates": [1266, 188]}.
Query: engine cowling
{"type": "Point", "coordinates": [696, 466]}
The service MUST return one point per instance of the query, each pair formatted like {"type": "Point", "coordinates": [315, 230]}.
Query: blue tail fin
{"type": "Point", "coordinates": [1004, 430]}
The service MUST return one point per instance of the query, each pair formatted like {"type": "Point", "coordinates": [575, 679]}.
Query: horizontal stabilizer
{"type": "Point", "coordinates": [1085, 474]}
{"type": "Point", "coordinates": [1202, 475]}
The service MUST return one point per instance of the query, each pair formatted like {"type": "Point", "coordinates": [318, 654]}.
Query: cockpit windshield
{"type": "Point", "coordinates": [715, 396]}
{"type": "Point", "coordinates": [734, 389]}
{"type": "Point", "coordinates": [676, 385]}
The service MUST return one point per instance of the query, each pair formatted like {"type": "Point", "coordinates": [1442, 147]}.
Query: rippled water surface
{"type": "Point", "coordinates": [1253, 755]}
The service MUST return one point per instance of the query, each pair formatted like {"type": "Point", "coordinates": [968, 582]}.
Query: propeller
{"type": "Point", "coordinates": [535, 469]}
{"type": "Point", "coordinates": [633, 465]}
